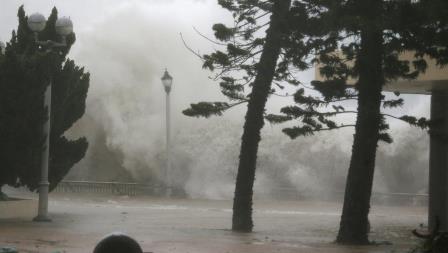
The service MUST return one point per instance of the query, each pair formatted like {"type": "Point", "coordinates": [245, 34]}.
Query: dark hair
{"type": "Point", "coordinates": [118, 243]}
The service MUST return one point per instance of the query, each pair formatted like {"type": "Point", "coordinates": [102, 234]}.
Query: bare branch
{"type": "Point", "coordinates": [207, 38]}
{"type": "Point", "coordinates": [189, 48]}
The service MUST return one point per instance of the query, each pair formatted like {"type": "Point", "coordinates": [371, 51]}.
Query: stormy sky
{"type": "Point", "coordinates": [144, 37]}
{"type": "Point", "coordinates": [126, 45]}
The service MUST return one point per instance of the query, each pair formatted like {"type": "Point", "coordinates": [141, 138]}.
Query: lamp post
{"type": "Point", "coordinates": [64, 27]}
{"type": "Point", "coordinates": [2, 51]}
{"type": "Point", "coordinates": [167, 82]}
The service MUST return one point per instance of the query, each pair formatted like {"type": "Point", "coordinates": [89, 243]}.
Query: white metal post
{"type": "Point", "coordinates": [168, 143]}
{"type": "Point", "coordinates": [64, 27]}
{"type": "Point", "coordinates": [42, 214]}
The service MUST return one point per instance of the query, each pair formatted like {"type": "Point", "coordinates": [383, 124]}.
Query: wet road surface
{"type": "Point", "coordinates": [202, 226]}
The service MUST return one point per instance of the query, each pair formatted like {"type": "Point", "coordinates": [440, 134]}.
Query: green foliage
{"type": "Point", "coordinates": [393, 103]}
{"type": "Point", "coordinates": [25, 72]}
{"type": "Point", "coordinates": [332, 89]}
{"type": "Point", "coordinates": [385, 137]}
{"type": "Point", "coordinates": [206, 109]}
{"type": "Point", "coordinates": [422, 123]}
{"type": "Point", "coordinates": [330, 35]}
{"type": "Point", "coordinates": [277, 119]}
{"type": "Point", "coordinates": [22, 86]}
{"type": "Point", "coordinates": [297, 131]}
{"type": "Point", "coordinates": [356, 46]}
{"type": "Point", "coordinates": [235, 62]}
{"type": "Point", "coordinates": [222, 32]}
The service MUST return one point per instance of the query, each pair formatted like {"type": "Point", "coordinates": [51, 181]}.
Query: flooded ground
{"type": "Point", "coordinates": [180, 225]}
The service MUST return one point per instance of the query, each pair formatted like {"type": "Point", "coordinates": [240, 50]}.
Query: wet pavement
{"type": "Point", "coordinates": [181, 225]}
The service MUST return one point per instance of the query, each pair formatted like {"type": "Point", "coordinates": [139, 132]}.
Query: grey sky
{"type": "Point", "coordinates": [166, 18]}
{"type": "Point", "coordinates": [126, 45]}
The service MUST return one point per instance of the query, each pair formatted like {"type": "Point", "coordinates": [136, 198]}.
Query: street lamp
{"type": "Point", "coordinates": [64, 27]}
{"type": "Point", "coordinates": [167, 82]}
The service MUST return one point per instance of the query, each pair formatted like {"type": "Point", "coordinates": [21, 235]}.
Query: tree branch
{"type": "Point", "coordinates": [189, 48]}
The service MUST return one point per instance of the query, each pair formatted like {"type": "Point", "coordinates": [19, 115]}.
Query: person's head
{"type": "Point", "coordinates": [118, 243]}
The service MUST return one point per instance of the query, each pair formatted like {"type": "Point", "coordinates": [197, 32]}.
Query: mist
{"type": "Point", "coordinates": [126, 46]}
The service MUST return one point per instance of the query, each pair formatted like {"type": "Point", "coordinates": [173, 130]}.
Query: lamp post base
{"type": "Point", "coordinates": [40, 218]}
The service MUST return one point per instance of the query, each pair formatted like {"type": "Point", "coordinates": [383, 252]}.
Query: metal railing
{"type": "Point", "coordinates": [118, 188]}
{"type": "Point", "coordinates": [132, 189]}
{"type": "Point", "coordinates": [400, 198]}
{"type": "Point", "coordinates": [377, 197]}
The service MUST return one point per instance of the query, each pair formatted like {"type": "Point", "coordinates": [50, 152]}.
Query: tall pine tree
{"type": "Point", "coordinates": [247, 68]}
{"type": "Point", "coordinates": [366, 40]}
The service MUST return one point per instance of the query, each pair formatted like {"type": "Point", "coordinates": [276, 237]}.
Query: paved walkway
{"type": "Point", "coordinates": [179, 225]}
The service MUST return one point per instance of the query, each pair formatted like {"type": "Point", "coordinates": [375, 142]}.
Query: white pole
{"type": "Point", "coordinates": [168, 144]}
{"type": "Point", "coordinates": [42, 215]}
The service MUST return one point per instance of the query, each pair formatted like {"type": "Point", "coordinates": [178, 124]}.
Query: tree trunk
{"type": "Point", "coordinates": [354, 226]}
{"type": "Point", "coordinates": [438, 162]}
{"type": "Point", "coordinates": [242, 204]}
